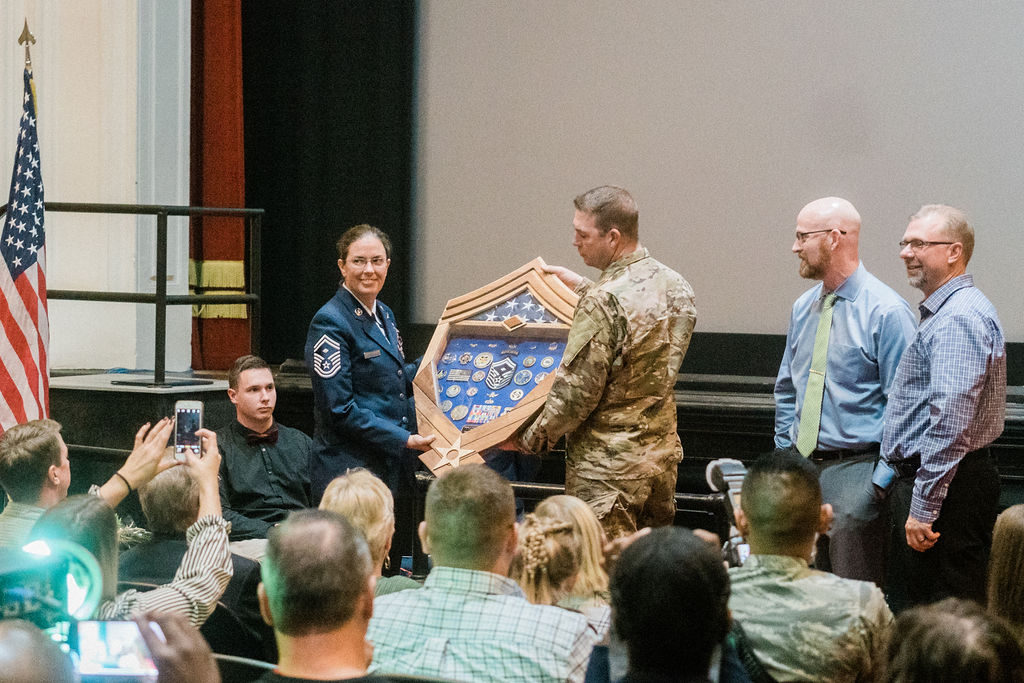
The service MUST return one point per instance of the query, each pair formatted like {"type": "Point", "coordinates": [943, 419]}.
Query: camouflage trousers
{"type": "Point", "coordinates": [625, 505]}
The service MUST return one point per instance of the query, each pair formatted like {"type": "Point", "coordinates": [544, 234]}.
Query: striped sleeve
{"type": "Point", "coordinates": [197, 585]}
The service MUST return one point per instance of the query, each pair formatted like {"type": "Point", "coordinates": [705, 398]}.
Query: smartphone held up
{"type": "Point", "coordinates": [188, 419]}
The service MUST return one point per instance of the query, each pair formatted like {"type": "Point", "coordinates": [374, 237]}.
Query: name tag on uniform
{"type": "Point", "coordinates": [371, 354]}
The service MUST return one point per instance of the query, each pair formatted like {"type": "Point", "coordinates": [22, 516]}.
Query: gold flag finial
{"type": "Point", "coordinates": [27, 39]}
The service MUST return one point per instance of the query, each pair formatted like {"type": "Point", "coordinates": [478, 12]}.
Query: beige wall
{"type": "Point", "coordinates": [86, 66]}
{"type": "Point", "coordinates": [723, 118]}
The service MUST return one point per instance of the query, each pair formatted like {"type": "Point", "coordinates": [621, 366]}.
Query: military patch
{"type": "Point", "coordinates": [540, 377]}
{"type": "Point", "coordinates": [458, 375]}
{"type": "Point", "coordinates": [483, 360]}
{"type": "Point", "coordinates": [440, 374]}
{"type": "Point", "coordinates": [452, 391]}
{"type": "Point", "coordinates": [523, 377]}
{"type": "Point", "coordinates": [445, 406]}
{"type": "Point", "coordinates": [516, 394]}
{"type": "Point", "coordinates": [479, 375]}
{"type": "Point", "coordinates": [500, 374]}
{"type": "Point", "coordinates": [465, 357]}
{"type": "Point", "coordinates": [472, 391]}
{"type": "Point", "coordinates": [482, 414]}
{"type": "Point", "coordinates": [511, 350]}
{"type": "Point", "coordinates": [547, 362]}
{"type": "Point", "coordinates": [448, 358]}
{"type": "Point", "coordinates": [326, 357]}
{"type": "Point", "coordinates": [553, 346]}
{"type": "Point", "coordinates": [529, 361]}
{"type": "Point", "coordinates": [459, 412]}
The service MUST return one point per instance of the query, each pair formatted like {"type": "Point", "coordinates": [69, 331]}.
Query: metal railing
{"type": "Point", "coordinates": [253, 223]}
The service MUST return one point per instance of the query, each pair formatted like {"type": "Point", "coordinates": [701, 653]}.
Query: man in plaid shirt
{"type": "Point", "coordinates": [947, 404]}
{"type": "Point", "coordinates": [470, 621]}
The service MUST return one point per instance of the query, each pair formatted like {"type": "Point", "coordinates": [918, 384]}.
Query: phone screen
{"type": "Point", "coordinates": [113, 648]}
{"type": "Point", "coordinates": [187, 421]}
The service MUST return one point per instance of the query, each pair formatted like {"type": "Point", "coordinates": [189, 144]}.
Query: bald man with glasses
{"type": "Point", "coordinates": [948, 403]}
{"type": "Point", "coordinates": [846, 336]}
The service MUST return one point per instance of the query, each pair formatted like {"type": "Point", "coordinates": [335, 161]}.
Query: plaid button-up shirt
{"type": "Point", "coordinates": [477, 626]}
{"type": "Point", "coordinates": [949, 394]}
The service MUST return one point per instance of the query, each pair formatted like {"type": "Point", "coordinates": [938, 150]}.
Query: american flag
{"type": "Point", "coordinates": [25, 338]}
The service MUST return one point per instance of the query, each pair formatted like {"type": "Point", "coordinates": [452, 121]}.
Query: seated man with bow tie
{"type": "Point", "coordinates": [264, 471]}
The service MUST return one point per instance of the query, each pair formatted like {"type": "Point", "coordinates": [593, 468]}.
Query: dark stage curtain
{"type": "Point", "coordinates": [328, 94]}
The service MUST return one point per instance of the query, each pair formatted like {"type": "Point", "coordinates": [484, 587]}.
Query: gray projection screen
{"type": "Point", "coordinates": [724, 119]}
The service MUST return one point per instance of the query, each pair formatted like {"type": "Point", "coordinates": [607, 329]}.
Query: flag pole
{"type": "Point", "coordinates": [27, 39]}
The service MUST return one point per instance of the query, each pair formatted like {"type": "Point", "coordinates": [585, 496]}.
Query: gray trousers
{"type": "Point", "coordinates": [855, 547]}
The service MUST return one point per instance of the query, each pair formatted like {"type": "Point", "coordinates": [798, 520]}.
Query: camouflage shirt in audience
{"type": "Point", "coordinates": [804, 624]}
{"type": "Point", "coordinates": [613, 394]}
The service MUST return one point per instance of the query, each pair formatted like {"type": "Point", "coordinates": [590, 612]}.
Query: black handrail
{"type": "Point", "coordinates": [253, 224]}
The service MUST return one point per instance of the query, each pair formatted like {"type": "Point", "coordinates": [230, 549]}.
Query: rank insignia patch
{"type": "Point", "coordinates": [500, 374]}
{"type": "Point", "coordinates": [326, 357]}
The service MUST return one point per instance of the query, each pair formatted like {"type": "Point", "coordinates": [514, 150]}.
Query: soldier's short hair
{"type": "Point", "coordinates": [243, 363]}
{"type": "Point", "coordinates": [316, 567]}
{"type": "Point", "coordinates": [469, 515]}
{"type": "Point", "coordinates": [26, 453]}
{"type": "Point", "coordinates": [670, 595]}
{"type": "Point", "coordinates": [356, 233]}
{"type": "Point", "coordinates": [781, 498]}
{"type": "Point", "coordinates": [611, 207]}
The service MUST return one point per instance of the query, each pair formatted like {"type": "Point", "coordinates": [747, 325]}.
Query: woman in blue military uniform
{"type": "Point", "coordinates": [362, 386]}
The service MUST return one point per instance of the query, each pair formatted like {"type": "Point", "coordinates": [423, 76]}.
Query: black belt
{"type": "Point", "coordinates": [907, 469]}
{"type": "Point", "coordinates": [843, 453]}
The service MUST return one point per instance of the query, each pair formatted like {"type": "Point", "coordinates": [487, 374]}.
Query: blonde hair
{"type": "Point", "coordinates": [366, 502]}
{"type": "Point", "coordinates": [1006, 564]}
{"type": "Point", "coordinates": [592, 579]}
{"type": "Point", "coordinates": [547, 559]}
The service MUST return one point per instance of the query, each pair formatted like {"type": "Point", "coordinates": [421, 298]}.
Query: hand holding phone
{"type": "Point", "coordinates": [112, 649]}
{"type": "Point", "coordinates": [188, 419]}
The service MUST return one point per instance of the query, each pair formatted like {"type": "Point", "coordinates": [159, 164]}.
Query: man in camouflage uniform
{"type": "Point", "coordinates": [803, 624]}
{"type": "Point", "coordinates": [613, 393]}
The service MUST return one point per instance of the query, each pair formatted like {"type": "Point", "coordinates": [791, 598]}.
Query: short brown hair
{"type": "Point", "coordinates": [611, 207]}
{"type": "Point", "coordinates": [243, 363]}
{"type": "Point", "coordinates": [469, 514]}
{"type": "Point", "coordinates": [316, 567]}
{"type": "Point", "coordinates": [957, 226]}
{"type": "Point", "coordinates": [356, 233]}
{"type": "Point", "coordinates": [26, 453]}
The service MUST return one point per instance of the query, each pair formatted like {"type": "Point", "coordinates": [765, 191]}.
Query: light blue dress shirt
{"type": "Point", "coordinates": [949, 397]}
{"type": "Point", "coordinates": [871, 326]}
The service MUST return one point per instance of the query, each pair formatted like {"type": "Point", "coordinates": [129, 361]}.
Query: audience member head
{"type": "Point", "coordinates": [34, 467]}
{"type": "Point", "coordinates": [27, 655]}
{"type": "Point", "coordinates": [366, 502]}
{"type": "Point", "coordinates": [780, 506]}
{"type": "Point", "coordinates": [949, 642]}
{"type": "Point", "coordinates": [317, 575]}
{"type": "Point", "coordinates": [89, 522]}
{"type": "Point", "coordinates": [548, 558]}
{"type": "Point", "coordinates": [670, 593]}
{"type": "Point", "coordinates": [1006, 567]}
{"type": "Point", "coordinates": [469, 521]}
{"type": "Point", "coordinates": [611, 207]}
{"type": "Point", "coordinates": [251, 389]}
{"type": "Point", "coordinates": [592, 578]}
{"type": "Point", "coordinates": [170, 501]}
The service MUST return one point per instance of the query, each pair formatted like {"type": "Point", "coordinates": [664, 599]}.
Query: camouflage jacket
{"type": "Point", "coordinates": [613, 393]}
{"type": "Point", "coordinates": [807, 625]}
